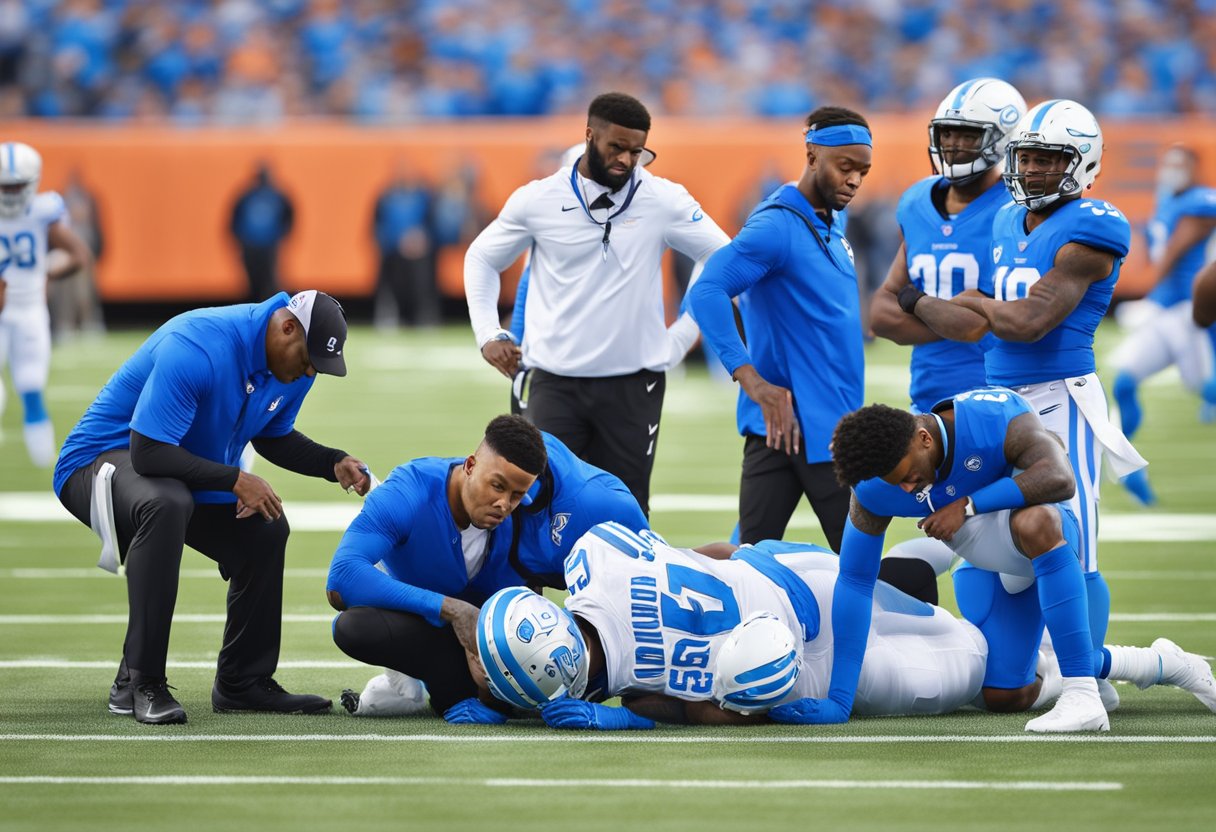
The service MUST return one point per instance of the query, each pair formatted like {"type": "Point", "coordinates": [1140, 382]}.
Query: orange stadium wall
{"type": "Point", "coordinates": [164, 193]}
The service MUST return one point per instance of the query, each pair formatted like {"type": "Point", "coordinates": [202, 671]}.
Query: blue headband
{"type": "Point", "coordinates": [838, 135]}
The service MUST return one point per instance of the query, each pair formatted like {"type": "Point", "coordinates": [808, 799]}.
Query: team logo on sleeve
{"type": "Point", "coordinates": [996, 254]}
{"type": "Point", "coordinates": [560, 520]}
{"type": "Point", "coordinates": [973, 463]}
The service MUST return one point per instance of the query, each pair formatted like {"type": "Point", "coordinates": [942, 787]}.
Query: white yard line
{"type": "Point", "coordinates": [40, 507]}
{"type": "Point", "coordinates": [68, 664]}
{"type": "Point", "coordinates": [538, 783]}
{"type": "Point", "coordinates": [57, 573]}
{"type": "Point", "coordinates": [731, 738]}
{"type": "Point", "coordinates": [326, 618]}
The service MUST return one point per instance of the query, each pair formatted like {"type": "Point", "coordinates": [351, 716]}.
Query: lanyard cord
{"type": "Point", "coordinates": [582, 200]}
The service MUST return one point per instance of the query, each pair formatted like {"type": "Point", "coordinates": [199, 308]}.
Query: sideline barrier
{"type": "Point", "coordinates": [165, 192]}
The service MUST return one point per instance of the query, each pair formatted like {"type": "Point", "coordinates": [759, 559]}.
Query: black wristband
{"type": "Point", "coordinates": [908, 297]}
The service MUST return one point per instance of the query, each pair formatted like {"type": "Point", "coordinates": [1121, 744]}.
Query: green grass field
{"type": "Point", "coordinates": [65, 763]}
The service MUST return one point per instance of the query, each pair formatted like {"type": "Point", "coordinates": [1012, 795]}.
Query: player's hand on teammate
{"type": "Point", "coordinates": [577, 715]}
{"type": "Point", "coordinates": [781, 430]}
{"type": "Point", "coordinates": [944, 523]}
{"type": "Point", "coordinates": [504, 355]}
{"type": "Point", "coordinates": [255, 496]}
{"type": "Point", "coordinates": [353, 474]}
{"type": "Point", "coordinates": [808, 711]}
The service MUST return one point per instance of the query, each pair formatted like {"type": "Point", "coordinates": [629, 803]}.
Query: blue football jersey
{"type": "Point", "coordinates": [1175, 287]}
{"type": "Point", "coordinates": [975, 457]}
{"type": "Point", "coordinates": [1021, 260]}
{"type": "Point", "coordinates": [947, 257]}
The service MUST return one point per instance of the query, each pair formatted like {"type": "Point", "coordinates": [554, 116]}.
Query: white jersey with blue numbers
{"type": "Point", "coordinates": [662, 614]}
{"type": "Point", "coordinates": [23, 247]}
{"type": "Point", "coordinates": [946, 257]}
{"type": "Point", "coordinates": [1021, 260]}
{"type": "Point", "coordinates": [1175, 287]}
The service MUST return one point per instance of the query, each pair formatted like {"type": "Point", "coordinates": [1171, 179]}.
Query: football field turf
{"type": "Point", "coordinates": [66, 763]}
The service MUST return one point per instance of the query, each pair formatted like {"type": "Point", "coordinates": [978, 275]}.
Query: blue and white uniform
{"type": "Point", "coordinates": [662, 614]}
{"type": "Point", "coordinates": [1056, 374]}
{"type": "Point", "coordinates": [1008, 612]}
{"type": "Point", "coordinates": [947, 256]}
{"type": "Point", "coordinates": [1167, 335]}
{"type": "Point", "coordinates": [25, 322]}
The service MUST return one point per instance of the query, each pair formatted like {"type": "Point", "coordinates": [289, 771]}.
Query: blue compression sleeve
{"type": "Point", "coordinates": [35, 408]}
{"type": "Point", "coordinates": [860, 554]}
{"type": "Point", "coordinates": [1061, 589]}
{"type": "Point", "coordinates": [996, 496]}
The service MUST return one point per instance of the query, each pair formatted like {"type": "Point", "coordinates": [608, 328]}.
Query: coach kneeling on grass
{"type": "Point", "coordinates": [152, 466]}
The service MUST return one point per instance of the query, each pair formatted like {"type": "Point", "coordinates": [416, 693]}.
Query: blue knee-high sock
{"type": "Point", "coordinates": [1097, 593]}
{"type": "Point", "coordinates": [1129, 405]}
{"type": "Point", "coordinates": [35, 409]}
{"type": "Point", "coordinates": [1065, 609]}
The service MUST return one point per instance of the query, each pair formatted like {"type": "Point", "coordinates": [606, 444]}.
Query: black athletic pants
{"type": "Point", "coordinates": [612, 422]}
{"type": "Point", "coordinates": [772, 484]}
{"type": "Point", "coordinates": [155, 517]}
{"type": "Point", "coordinates": [407, 643]}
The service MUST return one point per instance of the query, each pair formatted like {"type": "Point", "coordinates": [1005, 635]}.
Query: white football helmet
{"type": "Point", "coordinates": [531, 649]}
{"type": "Point", "coordinates": [20, 170]}
{"type": "Point", "coordinates": [987, 104]}
{"type": "Point", "coordinates": [757, 664]}
{"type": "Point", "coordinates": [1058, 126]}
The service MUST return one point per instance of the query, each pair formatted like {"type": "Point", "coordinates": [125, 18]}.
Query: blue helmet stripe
{"type": "Point", "coordinates": [1042, 113]}
{"type": "Point", "coordinates": [766, 670]}
{"type": "Point", "coordinates": [498, 624]}
{"type": "Point", "coordinates": [962, 93]}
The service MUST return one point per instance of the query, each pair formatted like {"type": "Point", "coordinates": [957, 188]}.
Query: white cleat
{"type": "Point", "coordinates": [1110, 696]}
{"type": "Point", "coordinates": [389, 694]}
{"type": "Point", "coordinates": [1079, 708]}
{"type": "Point", "coordinates": [1186, 670]}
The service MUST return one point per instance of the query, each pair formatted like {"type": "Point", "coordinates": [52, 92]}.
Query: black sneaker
{"type": "Point", "coordinates": [154, 705]}
{"type": "Point", "coordinates": [122, 691]}
{"type": "Point", "coordinates": [267, 696]}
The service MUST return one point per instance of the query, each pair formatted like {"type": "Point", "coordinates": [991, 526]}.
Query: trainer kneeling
{"type": "Point", "coordinates": [152, 466]}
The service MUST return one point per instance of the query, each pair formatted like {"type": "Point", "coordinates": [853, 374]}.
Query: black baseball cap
{"type": "Point", "coordinates": [324, 325]}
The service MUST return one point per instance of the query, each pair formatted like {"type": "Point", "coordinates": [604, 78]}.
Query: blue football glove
{"type": "Point", "coordinates": [472, 712]}
{"type": "Point", "coordinates": [807, 711]}
{"type": "Point", "coordinates": [575, 714]}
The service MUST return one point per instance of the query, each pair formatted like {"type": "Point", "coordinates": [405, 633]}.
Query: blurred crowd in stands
{"type": "Point", "coordinates": [387, 61]}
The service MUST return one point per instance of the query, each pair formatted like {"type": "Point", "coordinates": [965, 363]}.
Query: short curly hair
{"type": "Point", "coordinates": [620, 109]}
{"type": "Point", "coordinates": [517, 441]}
{"type": "Point", "coordinates": [870, 442]}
